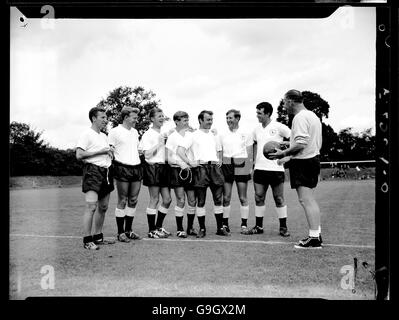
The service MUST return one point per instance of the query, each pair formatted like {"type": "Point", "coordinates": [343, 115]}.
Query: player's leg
{"type": "Point", "coordinates": [242, 188]}
{"type": "Point", "coordinates": [91, 201]}
{"type": "Point", "coordinates": [227, 191]}
{"type": "Point", "coordinates": [163, 210]}
{"type": "Point", "coordinates": [281, 207]}
{"type": "Point", "coordinates": [122, 188]}
{"type": "Point", "coordinates": [130, 210]}
{"type": "Point", "coordinates": [152, 210]}
{"type": "Point", "coordinates": [260, 207]}
{"type": "Point", "coordinates": [200, 193]}
{"type": "Point", "coordinates": [191, 204]}
{"type": "Point", "coordinates": [217, 195]}
{"type": "Point", "coordinates": [312, 211]}
{"type": "Point", "coordinates": [179, 211]}
{"type": "Point", "coordinates": [99, 217]}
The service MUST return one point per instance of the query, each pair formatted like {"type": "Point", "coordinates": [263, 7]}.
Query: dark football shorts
{"type": "Point", "coordinates": [236, 170]}
{"type": "Point", "coordinates": [98, 179]}
{"type": "Point", "coordinates": [266, 178]}
{"type": "Point", "coordinates": [207, 175]}
{"type": "Point", "coordinates": [127, 173]}
{"type": "Point", "coordinates": [304, 172]}
{"type": "Point", "coordinates": [181, 178]}
{"type": "Point", "coordinates": [156, 174]}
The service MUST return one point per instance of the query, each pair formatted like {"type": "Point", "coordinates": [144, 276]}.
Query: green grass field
{"type": "Point", "coordinates": [45, 230]}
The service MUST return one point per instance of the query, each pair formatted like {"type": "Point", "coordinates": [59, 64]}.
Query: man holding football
{"type": "Point", "coordinates": [305, 144]}
{"type": "Point", "coordinates": [268, 172]}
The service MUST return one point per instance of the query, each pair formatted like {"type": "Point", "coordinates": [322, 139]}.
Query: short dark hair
{"type": "Point", "coordinates": [127, 110]}
{"type": "Point", "coordinates": [237, 113]}
{"type": "Point", "coordinates": [201, 115]}
{"type": "Point", "coordinates": [266, 107]}
{"type": "Point", "coordinates": [294, 95]}
{"type": "Point", "coordinates": [153, 111]}
{"type": "Point", "coordinates": [180, 115]}
{"type": "Point", "coordinates": [94, 111]}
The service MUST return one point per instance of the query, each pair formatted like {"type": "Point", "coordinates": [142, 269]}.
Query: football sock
{"type": "Point", "coordinates": [98, 237]}
{"type": "Point", "coordinates": [282, 215]}
{"type": "Point", "coordinates": [87, 239]}
{"type": "Point", "coordinates": [120, 219]}
{"type": "Point", "coordinates": [259, 221]}
{"type": "Point", "coordinates": [179, 223]}
{"type": "Point", "coordinates": [283, 222]}
{"type": "Point", "coordinates": [244, 210]}
{"type": "Point", "coordinates": [225, 221]}
{"type": "Point", "coordinates": [201, 222]}
{"type": "Point", "coordinates": [226, 215]}
{"type": "Point", "coordinates": [219, 220]}
{"type": "Point", "coordinates": [130, 213]}
{"type": "Point", "coordinates": [314, 233]}
{"type": "Point", "coordinates": [179, 212]}
{"type": "Point", "coordinates": [161, 216]}
{"type": "Point", "coordinates": [259, 214]}
{"type": "Point", "coordinates": [151, 215]}
{"type": "Point", "coordinates": [190, 221]}
{"type": "Point", "coordinates": [128, 223]}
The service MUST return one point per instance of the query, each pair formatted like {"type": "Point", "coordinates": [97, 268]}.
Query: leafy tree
{"type": "Point", "coordinates": [321, 108]}
{"type": "Point", "coordinates": [126, 96]}
{"type": "Point", "coordinates": [312, 101]}
{"type": "Point", "coordinates": [356, 146]}
{"type": "Point", "coordinates": [30, 155]}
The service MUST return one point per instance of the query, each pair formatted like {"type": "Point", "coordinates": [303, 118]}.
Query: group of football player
{"type": "Point", "coordinates": [189, 161]}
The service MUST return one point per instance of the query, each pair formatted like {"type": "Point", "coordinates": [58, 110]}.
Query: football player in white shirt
{"type": "Point", "coordinates": [128, 172]}
{"type": "Point", "coordinates": [268, 172]}
{"type": "Point", "coordinates": [305, 145]}
{"type": "Point", "coordinates": [237, 166]}
{"type": "Point", "coordinates": [207, 152]}
{"type": "Point", "coordinates": [97, 182]}
{"type": "Point", "coordinates": [180, 174]}
{"type": "Point", "coordinates": [156, 174]}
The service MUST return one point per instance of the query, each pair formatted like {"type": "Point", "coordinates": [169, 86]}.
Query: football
{"type": "Point", "coordinates": [270, 147]}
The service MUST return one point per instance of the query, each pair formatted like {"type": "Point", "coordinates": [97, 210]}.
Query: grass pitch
{"type": "Point", "coordinates": [45, 230]}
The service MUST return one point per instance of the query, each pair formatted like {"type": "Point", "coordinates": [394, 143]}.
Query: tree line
{"type": "Point", "coordinates": [31, 155]}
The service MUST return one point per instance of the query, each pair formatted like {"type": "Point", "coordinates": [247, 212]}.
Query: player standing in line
{"type": "Point", "coordinates": [237, 166]}
{"type": "Point", "coordinates": [268, 172]}
{"type": "Point", "coordinates": [181, 175]}
{"type": "Point", "coordinates": [305, 144]}
{"type": "Point", "coordinates": [97, 182]}
{"type": "Point", "coordinates": [207, 151]}
{"type": "Point", "coordinates": [156, 174]}
{"type": "Point", "coordinates": [128, 172]}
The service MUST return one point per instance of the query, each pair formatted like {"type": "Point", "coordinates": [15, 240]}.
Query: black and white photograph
{"type": "Point", "coordinates": [193, 157]}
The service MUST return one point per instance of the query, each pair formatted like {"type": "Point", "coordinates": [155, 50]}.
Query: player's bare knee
{"type": "Point", "coordinates": [226, 201]}
{"type": "Point", "coordinates": [279, 201]}
{"type": "Point", "coordinates": [259, 200]}
{"type": "Point", "coordinates": [243, 201]}
{"type": "Point", "coordinates": [122, 203]}
{"type": "Point", "coordinates": [91, 207]}
{"type": "Point", "coordinates": [132, 202]}
{"type": "Point", "coordinates": [102, 208]}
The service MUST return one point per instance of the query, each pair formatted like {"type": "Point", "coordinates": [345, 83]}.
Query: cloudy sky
{"type": "Point", "coordinates": [59, 71]}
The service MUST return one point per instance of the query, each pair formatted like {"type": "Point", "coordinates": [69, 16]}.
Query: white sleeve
{"type": "Point", "coordinates": [145, 143]}
{"type": "Point", "coordinates": [186, 142]}
{"type": "Point", "coordinates": [253, 135]}
{"type": "Point", "coordinates": [249, 141]}
{"type": "Point", "coordinates": [83, 142]}
{"type": "Point", "coordinates": [112, 137]}
{"type": "Point", "coordinates": [285, 131]}
{"type": "Point", "coordinates": [300, 130]}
